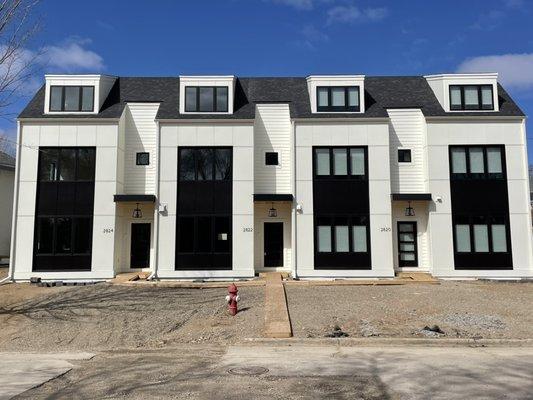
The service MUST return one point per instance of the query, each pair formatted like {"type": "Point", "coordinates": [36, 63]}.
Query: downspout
{"type": "Point", "coordinates": [153, 275]}
{"type": "Point", "coordinates": [12, 254]}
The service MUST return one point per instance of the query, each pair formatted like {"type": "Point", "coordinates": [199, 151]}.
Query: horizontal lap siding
{"type": "Point", "coordinates": [407, 130]}
{"type": "Point", "coordinates": [272, 132]}
{"type": "Point", "coordinates": [141, 134]}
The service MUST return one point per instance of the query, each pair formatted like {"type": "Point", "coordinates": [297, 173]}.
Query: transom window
{"type": "Point", "coordinates": [338, 98]}
{"type": "Point", "coordinates": [206, 99]}
{"type": "Point", "coordinates": [72, 98]}
{"type": "Point", "coordinates": [342, 234]}
{"type": "Point", "coordinates": [404, 155]}
{"type": "Point", "coordinates": [477, 162]}
{"type": "Point", "coordinates": [67, 164]}
{"type": "Point", "coordinates": [340, 162]}
{"type": "Point", "coordinates": [471, 97]}
{"type": "Point", "coordinates": [480, 234]}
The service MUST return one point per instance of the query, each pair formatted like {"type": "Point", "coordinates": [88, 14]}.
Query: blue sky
{"type": "Point", "coordinates": [290, 38]}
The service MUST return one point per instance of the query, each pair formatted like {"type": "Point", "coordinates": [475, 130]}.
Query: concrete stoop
{"type": "Point", "coordinates": [277, 322]}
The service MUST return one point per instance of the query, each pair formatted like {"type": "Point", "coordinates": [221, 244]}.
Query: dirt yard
{"type": "Point", "coordinates": [104, 316]}
{"type": "Point", "coordinates": [460, 309]}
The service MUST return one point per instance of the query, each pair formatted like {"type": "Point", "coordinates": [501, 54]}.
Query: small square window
{"type": "Point", "coordinates": [404, 155]}
{"type": "Point", "coordinates": [271, 158]}
{"type": "Point", "coordinates": [143, 158]}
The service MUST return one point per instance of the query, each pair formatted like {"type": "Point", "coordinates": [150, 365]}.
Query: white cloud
{"type": "Point", "coordinates": [515, 70]}
{"type": "Point", "coordinates": [351, 14]}
{"type": "Point", "coordinates": [298, 4]}
{"type": "Point", "coordinates": [72, 56]}
{"type": "Point", "coordinates": [310, 32]}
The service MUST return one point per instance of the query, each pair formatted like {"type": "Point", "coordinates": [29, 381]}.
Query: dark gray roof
{"type": "Point", "coordinates": [6, 161]}
{"type": "Point", "coordinates": [380, 93]}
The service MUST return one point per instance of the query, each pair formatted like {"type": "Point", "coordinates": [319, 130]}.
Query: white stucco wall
{"type": "Point", "coordinates": [441, 134]}
{"type": "Point", "coordinates": [240, 136]}
{"type": "Point", "coordinates": [358, 133]}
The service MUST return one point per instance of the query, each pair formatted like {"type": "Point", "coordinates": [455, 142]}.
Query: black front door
{"type": "Point", "coordinates": [273, 244]}
{"type": "Point", "coordinates": [140, 246]}
{"type": "Point", "coordinates": [407, 248]}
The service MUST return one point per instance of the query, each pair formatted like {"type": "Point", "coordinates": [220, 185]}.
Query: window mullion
{"type": "Point", "coordinates": [80, 95]}
{"type": "Point", "coordinates": [463, 106]}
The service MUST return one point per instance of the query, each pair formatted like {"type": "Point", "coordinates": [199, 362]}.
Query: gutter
{"type": "Point", "coordinates": [12, 253]}
{"type": "Point", "coordinates": [480, 118]}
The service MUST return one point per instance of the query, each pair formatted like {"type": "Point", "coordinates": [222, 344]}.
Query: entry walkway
{"type": "Point", "coordinates": [277, 322]}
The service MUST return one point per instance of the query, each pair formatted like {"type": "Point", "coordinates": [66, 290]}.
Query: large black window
{"type": "Point", "coordinates": [477, 162]}
{"type": "Point", "coordinates": [471, 97]}
{"type": "Point", "coordinates": [480, 207]}
{"type": "Point", "coordinates": [64, 209]}
{"type": "Point", "coordinates": [72, 98]}
{"type": "Point", "coordinates": [337, 98]}
{"type": "Point", "coordinates": [341, 208]}
{"type": "Point", "coordinates": [204, 228]}
{"type": "Point", "coordinates": [206, 99]}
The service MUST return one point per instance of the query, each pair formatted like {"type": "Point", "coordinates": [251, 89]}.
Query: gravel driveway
{"type": "Point", "coordinates": [104, 316]}
{"type": "Point", "coordinates": [460, 309]}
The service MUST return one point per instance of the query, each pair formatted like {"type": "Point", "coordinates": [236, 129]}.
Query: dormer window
{"type": "Point", "coordinates": [338, 98]}
{"type": "Point", "coordinates": [71, 98]}
{"type": "Point", "coordinates": [206, 99]}
{"type": "Point", "coordinates": [471, 97]}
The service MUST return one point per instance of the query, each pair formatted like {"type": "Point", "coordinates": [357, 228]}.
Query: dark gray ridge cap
{"type": "Point", "coordinates": [381, 92]}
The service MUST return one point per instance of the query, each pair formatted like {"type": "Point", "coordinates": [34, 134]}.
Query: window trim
{"type": "Point", "coordinates": [485, 175]}
{"type": "Point", "coordinates": [346, 107]}
{"type": "Point", "coordinates": [463, 106]}
{"type": "Point", "coordinates": [215, 93]}
{"type": "Point", "coordinates": [140, 154]}
{"type": "Point", "coordinates": [489, 221]}
{"type": "Point", "coordinates": [277, 164]}
{"type": "Point", "coordinates": [80, 104]}
{"type": "Point", "coordinates": [410, 156]}
{"type": "Point", "coordinates": [332, 175]}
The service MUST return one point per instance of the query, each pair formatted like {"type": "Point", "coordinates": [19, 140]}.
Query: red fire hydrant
{"type": "Point", "coordinates": [232, 298]}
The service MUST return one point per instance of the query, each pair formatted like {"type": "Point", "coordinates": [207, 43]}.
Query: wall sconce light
{"type": "Point", "coordinates": [137, 213]}
{"type": "Point", "coordinates": [409, 211]}
{"type": "Point", "coordinates": [272, 212]}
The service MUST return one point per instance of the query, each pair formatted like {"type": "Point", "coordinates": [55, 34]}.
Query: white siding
{"type": "Point", "coordinates": [272, 133]}
{"type": "Point", "coordinates": [141, 131]}
{"type": "Point", "coordinates": [407, 131]}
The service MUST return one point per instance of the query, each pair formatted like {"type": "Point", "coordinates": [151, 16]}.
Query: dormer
{"type": "Point", "coordinates": [76, 94]}
{"type": "Point", "coordinates": [336, 93]}
{"type": "Point", "coordinates": [207, 94]}
{"type": "Point", "coordinates": [466, 92]}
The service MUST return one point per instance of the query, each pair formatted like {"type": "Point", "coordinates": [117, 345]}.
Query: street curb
{"type": "Point", "coordinates": [391, 342]}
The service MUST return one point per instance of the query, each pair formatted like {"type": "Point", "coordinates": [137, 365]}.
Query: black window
{"type": "Point", "coordinates": [204, 213]}
{"type": "Point", "coordinates": [477, 162]}
{"type": "Point", "coordinates": [338, 98]}
{"type": "Point", "coordinates": [206, 99]}
{"type": "Point", "coordinates": [204, 164]}
{"type": "Point", "coordinates": [404, 155]}
{"type": "Point", "coordinates": [72, 98]}
{"type": "Point", "coordinates": [481, 234]}
{"type": "Point", "coordinates": [64, 209]}
{"type": "Point", "coordinates": [340, 163]}
{"type": "Point", "coordinates": [143, 159]}
{"type": "Point", "coordinates": [471, 97]}
{"type": "Point", "coordinates": [341, 208]}
{"type": "Point", "coordinates": [271, 158]}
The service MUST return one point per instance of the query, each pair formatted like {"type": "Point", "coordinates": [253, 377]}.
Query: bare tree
{"type": "Point", "coordinates": [18, 65]}
{"type": "Point", "coordinates": [7, 145]}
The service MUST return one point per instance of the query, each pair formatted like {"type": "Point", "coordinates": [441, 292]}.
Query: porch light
{"type": "Point", "coordinates": [409, 211]}
{"type": "Point", "coordinates": [137, 213]}
{"type": "Point", "coordinates": [272, 212]}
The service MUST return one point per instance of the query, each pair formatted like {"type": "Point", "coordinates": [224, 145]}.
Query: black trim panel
{"type": "Point", "coordinates": [411, 196]}
{"type": "Point", "coordinates": [273, 197]}
{"type": "Point", "coordinates": [134, 198]}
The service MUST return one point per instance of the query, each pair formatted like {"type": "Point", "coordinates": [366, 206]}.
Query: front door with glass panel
{"type": "Point", "coordinates": [407, 249]}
